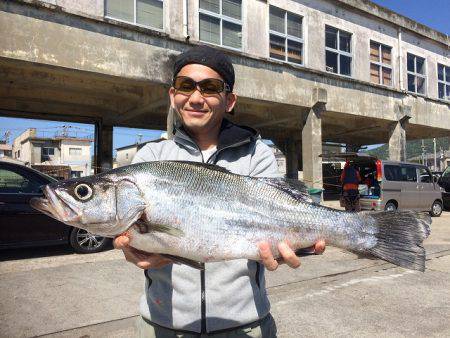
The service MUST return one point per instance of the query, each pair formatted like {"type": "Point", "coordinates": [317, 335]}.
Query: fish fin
{"type": "Point", "coordinates": [143, 226]}
{"type": "Point", "coordinates": [297, 189]}
{"type": "Point", "coordinates": [166, 229]}
{"type": "Point", "coordinates": [400, 235]}
{"type": "Point", "coordinates": [185, 261]}
{"type": "Point", "coordinates": [205, 165]}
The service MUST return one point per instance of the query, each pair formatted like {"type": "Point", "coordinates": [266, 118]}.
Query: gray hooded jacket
{"type": "Point", "coordinates": [226, 294]}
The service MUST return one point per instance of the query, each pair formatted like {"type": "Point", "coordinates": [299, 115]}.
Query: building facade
{"type": "Point", "coordinates": [33, 150]}
{"type": "Point", "coordinates": [307, 72]}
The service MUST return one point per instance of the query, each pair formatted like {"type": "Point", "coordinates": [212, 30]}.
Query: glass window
{"type": "Point", "coordinates": [409, 174]}
{"type": "Point", "coordinates": [232, 8]}
{"type": "Point", "coordinates": [286, 36]}
{"type": "Point", "coordinates": [338, 57]}
{"type": "Point", "coordinates": [143, 12]}
{"type": "Point", "coordinates": [220, 22]}
{"type": "Point", "coordinates": [425, 176]}
{"type": "Point", "coordinates": [380, 64]}
{"type": "Point", "coordinates": [15, 183]}
{"type": "Point", "coordinates": [48, 151]}
{"type": "Point", "coordinates": [443, 82]}
{"type": "Point", "coordinates": [416, 74]}
{"type": "Point", "coordinates": [75, 151]}
{"type": "Point", "coordinates": [392, 173]}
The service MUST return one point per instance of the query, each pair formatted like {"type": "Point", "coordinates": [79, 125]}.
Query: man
{"type": "Point", "coordinates": [226, 298]}
{"type": "Point", "coordinates": [350, 179]}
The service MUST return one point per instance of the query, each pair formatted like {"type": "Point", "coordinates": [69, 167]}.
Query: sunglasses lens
{"type": "Point", "coordinates": [184, 84]}
{"type": "Point", "coordinates": [211, 86]}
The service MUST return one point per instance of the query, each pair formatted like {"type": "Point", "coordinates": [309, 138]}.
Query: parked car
{"type": "Point", "coordinates": [22, 226]}
{"type": "Point", "coordinates": [391, 185]}
{"type": "Point", "coordinates": [444, 182]}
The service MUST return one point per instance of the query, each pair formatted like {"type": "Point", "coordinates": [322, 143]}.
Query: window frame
{"type": "Point", "coordinates": [444, 82]}
{"type": "Point", "coordinates": [47, 148]}
{"type": "Point", "coordinates": [339, 52]}
{"type": "Point", "coordinates": [134, 22]}
{"type": "Point", "coordinates": [222, 18]}
{"type": "Point", "coordinates": [287, 37]}
{"type": "Point", "coordinates": [415, 74]}
{"type": "Point", "coordinates": [80, 149]}
{"type": "Point", "coordinates": [380, 63]}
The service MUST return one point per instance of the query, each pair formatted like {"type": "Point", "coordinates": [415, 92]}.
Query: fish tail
{"type": "Point", "coordinates": [399, 237]}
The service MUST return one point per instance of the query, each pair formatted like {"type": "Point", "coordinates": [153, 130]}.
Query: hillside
{"type": "Point", "coordinates": [413, 148]}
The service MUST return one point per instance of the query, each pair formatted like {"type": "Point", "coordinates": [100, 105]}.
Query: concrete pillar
{"type": "Point", "coordinates": [103, 147]}
{"type": "Point", "coordinates": [312, 148]}
{"type": "Point", "coordinates": [397, 140]}
{"type": "Point", "coordinates": [292, 157]}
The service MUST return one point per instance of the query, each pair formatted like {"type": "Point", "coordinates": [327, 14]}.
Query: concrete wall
{"type": "Point", "coordinates": [76, 163]}
{"type": "Point", "coordinates": [125, 156]}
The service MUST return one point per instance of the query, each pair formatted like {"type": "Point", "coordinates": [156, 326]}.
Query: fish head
{"type": "Point", "coordinates": [104, 205]}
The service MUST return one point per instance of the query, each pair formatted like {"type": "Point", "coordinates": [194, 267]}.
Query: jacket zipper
{"type": "Point", "coordinates": [202, 272]}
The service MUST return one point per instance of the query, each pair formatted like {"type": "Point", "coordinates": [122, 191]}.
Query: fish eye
{"type": "Point", "coordinates": [83, 191]}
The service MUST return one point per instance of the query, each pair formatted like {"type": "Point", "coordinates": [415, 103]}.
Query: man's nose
{"type": "Point", "coordinates": [196, 97]}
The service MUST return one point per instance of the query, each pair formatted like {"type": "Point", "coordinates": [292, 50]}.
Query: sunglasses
{"type": "Point", "coordinates": [186, 85]}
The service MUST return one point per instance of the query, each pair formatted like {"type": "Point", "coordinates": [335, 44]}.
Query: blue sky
{"type": "Point", "coordinates": [432, 13]}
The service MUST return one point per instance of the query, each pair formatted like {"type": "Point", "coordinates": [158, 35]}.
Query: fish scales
{"type": "Point", "coordinates": [205, 213]}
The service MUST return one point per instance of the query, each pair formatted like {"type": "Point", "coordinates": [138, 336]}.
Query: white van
{"type": "Point", "coordinates": [391, 185]}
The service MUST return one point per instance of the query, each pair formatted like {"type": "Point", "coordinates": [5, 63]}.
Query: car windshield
{"type": "Point", "coordinates": [446, 173]}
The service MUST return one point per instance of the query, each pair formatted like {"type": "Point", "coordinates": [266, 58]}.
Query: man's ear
{"type": "Point", "coordinates": [171, 96]}
{"type": "Point", "coordinates": [231, 101]}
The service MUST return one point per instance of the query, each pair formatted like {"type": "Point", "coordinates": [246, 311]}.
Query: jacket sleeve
{"type": "Point", "coordinates": [263, 162]}
{"type": "Point", "coordinates": [145, 154]}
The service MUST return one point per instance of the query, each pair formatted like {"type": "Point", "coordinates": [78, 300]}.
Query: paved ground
{"type": "Point", "coordinates": [55, 293]}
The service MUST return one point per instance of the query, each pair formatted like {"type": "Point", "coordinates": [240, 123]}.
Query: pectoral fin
{"type": "Point", "coordinates": [185, 261]}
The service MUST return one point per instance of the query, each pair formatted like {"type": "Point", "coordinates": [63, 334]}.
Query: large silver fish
{"type": "Point", "coordinates": [204, 213]}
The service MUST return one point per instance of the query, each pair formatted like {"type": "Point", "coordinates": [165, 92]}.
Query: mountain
{"type": "Point", "coordinates": [413, 148]}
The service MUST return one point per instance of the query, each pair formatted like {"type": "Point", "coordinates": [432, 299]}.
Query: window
{"type": "Point", "coordinates": [380, 64]}
{"type": "Point", "coordinates": [142, 12]}
{"type": "Point", "coordinates": [425, 176]}
{"type": "Point", "coordinates": [392, 173]}
{"type": "Point", "coordinates": [409, 174]}
{"type": "Point", "coordinates": [286, 36]}
{"type": "Point", "coordinates": [75, 151]}
{"type": "Point", "coordinates": [47, 151]}
{"type": "Point", "coordinates": [443, 82]}
{"type": "Point", "coordinates": [14, 183]}
{"type": "Point", "coordinates": [221, 22]}
{"type": "Point", "coordinates": [338, 53]}
{"type": "Point", "coordinates": [416, 74]}
{"type": "Point", "coordinates": [76, 174]}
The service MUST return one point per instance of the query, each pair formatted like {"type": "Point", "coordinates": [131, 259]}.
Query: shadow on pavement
{"type": "Point", "coordinates": [37, 252]}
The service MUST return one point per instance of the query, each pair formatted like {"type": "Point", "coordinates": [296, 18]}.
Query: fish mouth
{"type": "Point", "coordinates": [54, 206]}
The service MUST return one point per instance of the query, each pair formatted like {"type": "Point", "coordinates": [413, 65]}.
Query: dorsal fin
{"type": "Point", "coordinates": [297, 189]}
{"type": "Point", "coordinates": [205, 165]}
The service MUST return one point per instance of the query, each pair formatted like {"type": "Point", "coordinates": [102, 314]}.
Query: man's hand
{"type": "Point", "coordinates": [287, 254]}
{"type": "Point", "coordinates": [141, 259]}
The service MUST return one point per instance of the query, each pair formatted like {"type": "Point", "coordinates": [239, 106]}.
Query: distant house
{"type": "Point", "coordinates": [55, 151]}
{"type": "Point", "coordinates": [125, 154]}
{"type": "Point", "coordinates": [5, 150]}
{"type": "Point", "coordinates": [442, 160]}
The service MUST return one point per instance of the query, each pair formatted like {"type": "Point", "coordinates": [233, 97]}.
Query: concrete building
{"type": "Point", "coordinates": [5, 150]}
{"type": "Point", "coordinates": [32, 150]}
{"type": "Point", "coordinates": [308, 72]}
{"type": "Point", "coordinates": [442, 160]}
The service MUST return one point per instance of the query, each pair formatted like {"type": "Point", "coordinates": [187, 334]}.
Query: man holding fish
{"type": "Point", "coordinates": [224, 298]}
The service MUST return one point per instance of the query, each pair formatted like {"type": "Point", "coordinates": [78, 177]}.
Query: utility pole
{"type": "Point", "coordinates": [423, 153]}
{"type": "Point", "coordinates": [434, 150]}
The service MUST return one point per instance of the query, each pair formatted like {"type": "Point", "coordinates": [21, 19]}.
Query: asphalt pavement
{"type": "Point", "coordinates": [53, 292]}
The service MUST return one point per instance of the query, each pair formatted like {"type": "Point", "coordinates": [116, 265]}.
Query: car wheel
{"type": "Point", "coordinates": [436, 209]}
{"type": "Point", "coordinates": [83, 241]}
{"type": "Point", "coordinates": [390, 206]}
